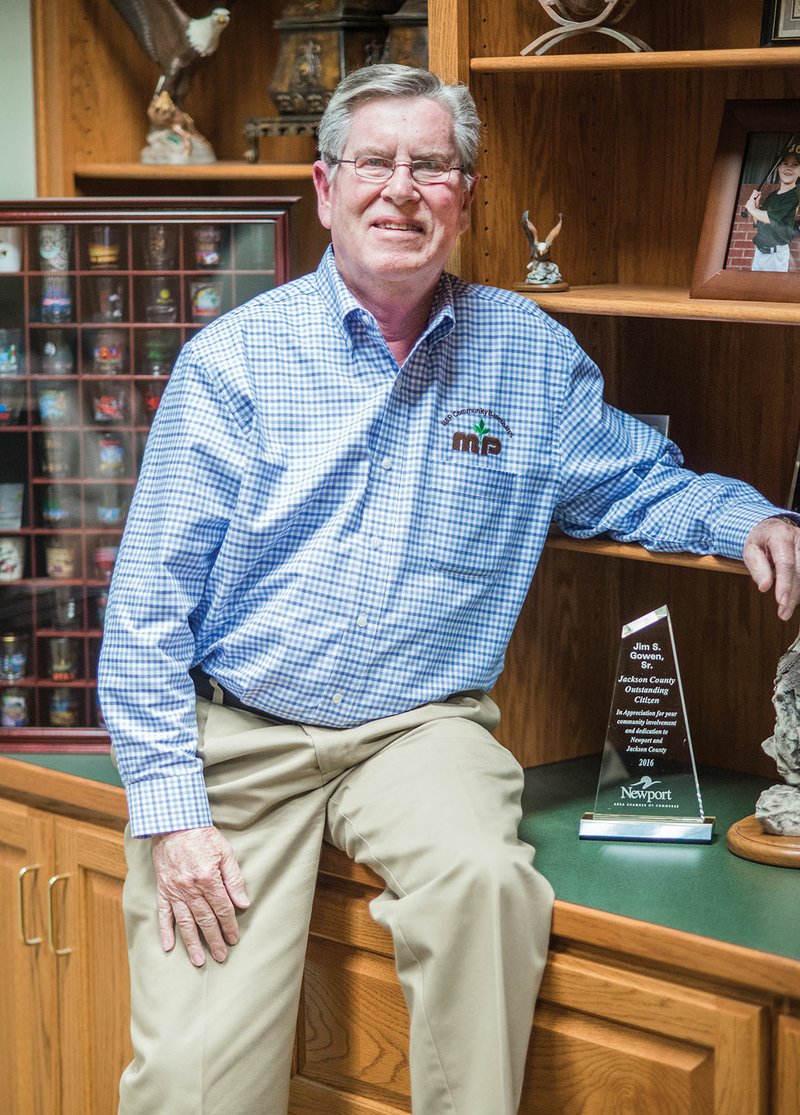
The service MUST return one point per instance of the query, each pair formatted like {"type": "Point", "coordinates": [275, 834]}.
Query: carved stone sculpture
{"type": "Point", "coordinates": [778, 809]}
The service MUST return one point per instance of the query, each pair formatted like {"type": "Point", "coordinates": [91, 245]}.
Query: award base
{"type": "Point", "coordinates": [597, 827]}
{"type": "Point", "coordinates": [747, 839]}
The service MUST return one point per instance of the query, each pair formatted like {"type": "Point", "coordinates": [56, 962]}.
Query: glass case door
{"type": "Point", "coordinates": [96, 300]}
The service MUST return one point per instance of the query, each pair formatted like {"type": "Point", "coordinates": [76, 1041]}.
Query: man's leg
{"type": "Point", "coordinates": [435, 814]}
{"type": "Point", "coordinates": [218, 1040]}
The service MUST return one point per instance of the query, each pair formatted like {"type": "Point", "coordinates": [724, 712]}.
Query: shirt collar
{"type": "Point", "coordinates": [346, 310]}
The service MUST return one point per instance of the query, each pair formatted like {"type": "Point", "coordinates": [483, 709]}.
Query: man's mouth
{"type": "Point", "coordinates": [398, 226]}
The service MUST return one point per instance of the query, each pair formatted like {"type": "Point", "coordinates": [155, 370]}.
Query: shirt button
{"type": "Point", "coordinates": [376, 541]}
{"type": "Point", "coordinates": [361, 621]}
{"type": "Point", "coordinates": [386, 463]}
{"type": "Point", "coordinates": [337, 698]}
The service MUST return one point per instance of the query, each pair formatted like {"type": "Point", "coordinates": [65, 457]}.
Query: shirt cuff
{"type": "Point", "coordinates": [168, 804]}
{"type": "Point", "coordinates": [730, 534]}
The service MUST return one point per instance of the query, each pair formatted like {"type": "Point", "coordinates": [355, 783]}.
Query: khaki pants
{"type": "Point", "coordinates": [430, 801]}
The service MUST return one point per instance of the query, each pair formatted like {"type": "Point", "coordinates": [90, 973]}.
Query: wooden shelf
{"type": "Point", "coordinates": [749, 58]}
{"type": "Point", "coordinates": [628, 551]}
{"type": "Point", "coordinates": [620, 300]}
{"type": "Point", "coordinates": [212, 172]}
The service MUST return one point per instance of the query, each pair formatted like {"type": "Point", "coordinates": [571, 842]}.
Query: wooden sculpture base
{"type": "Point", "coordinates": [540, 288]}
{"type": "Point", "coordinates": [747, 839]}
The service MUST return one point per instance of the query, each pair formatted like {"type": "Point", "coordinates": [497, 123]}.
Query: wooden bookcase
{"type": "Point", "coordinates": [623, 145]}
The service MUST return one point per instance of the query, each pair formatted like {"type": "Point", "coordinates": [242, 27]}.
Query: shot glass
{"type": "Point", "coordinates": [13, 657]}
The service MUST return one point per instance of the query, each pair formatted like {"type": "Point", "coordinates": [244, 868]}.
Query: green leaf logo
{"type": "Point", "coordinates": [481, 429]}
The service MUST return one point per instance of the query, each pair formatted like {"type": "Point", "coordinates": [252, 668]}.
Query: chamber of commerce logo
{"type": "Point", "coordinates": [643, 790]}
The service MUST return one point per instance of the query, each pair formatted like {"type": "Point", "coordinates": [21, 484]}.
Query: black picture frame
{"type": "Point", "coordinates": [712, 276]}
{"type": "Point", "coordinates": [781, 23]}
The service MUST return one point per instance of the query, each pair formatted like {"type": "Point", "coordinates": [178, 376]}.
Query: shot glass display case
{"type": "Point", "coordinates": [96, 299]}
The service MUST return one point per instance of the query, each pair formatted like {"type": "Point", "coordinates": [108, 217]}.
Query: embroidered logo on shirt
{"type": "Point", "coordinates": [479, 440]}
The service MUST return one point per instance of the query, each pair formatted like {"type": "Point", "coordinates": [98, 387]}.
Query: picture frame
{"type": "Point", "coordinates": [781, 23]}
{"type": "Point", "coordinates": [755, 138]}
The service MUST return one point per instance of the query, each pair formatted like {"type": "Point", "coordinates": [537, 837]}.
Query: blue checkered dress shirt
{"type": "Point", "coordinates": [337, 540]}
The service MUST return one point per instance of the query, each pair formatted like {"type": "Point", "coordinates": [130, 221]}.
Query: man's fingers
{"type": "Point", "coordinates": [198, 881]}
{"type": "Point", "coordinates": [232, 878]}
{"type": "Point", "coordinates": [187, 924]}
{"type": "Point", "coordinates": [772, 556]}
{"type": "Point", "coordinates": [758, 566]}
{"type": "Point", "coordinates": [166, 923]}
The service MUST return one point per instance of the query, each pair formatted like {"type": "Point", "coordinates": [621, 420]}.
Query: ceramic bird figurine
{"type": "Point", "coordinates": [176, 43]}
{"type": "Point", "coordinates": [543, 273]}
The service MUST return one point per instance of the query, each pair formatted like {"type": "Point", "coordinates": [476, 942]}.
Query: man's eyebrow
{"type": "Point", "coordinates": [377, 149]}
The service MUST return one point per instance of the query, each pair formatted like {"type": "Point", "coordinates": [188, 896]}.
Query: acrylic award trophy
{"type": "Point", "coordinates": [648, 787]}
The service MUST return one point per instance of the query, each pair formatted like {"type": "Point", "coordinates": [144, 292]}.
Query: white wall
{"type": "Point", "coordinates": [17, 143]}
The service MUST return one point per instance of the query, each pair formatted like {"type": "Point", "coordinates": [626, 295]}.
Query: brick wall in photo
{"type": "Point", "coordinates": [740, 252]}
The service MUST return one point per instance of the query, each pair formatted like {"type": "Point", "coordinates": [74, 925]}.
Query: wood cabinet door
{"type": "Point", "coordinates": [94, 991]}
{"type": "Point", "coordinates": [612, 1041]}
{"type": "Point", "coordinates": [28, 1009]}
{"type": "Point", "coordinates": [352, 1049]}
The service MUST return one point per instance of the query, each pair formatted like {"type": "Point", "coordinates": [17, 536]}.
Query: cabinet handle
{"type": "Point", "coordinates": [51, 937]}
{"type": "Point", "coordinates": [23, 871]}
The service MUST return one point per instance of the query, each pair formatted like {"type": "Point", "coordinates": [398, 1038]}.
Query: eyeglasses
{"type": "Point", "coordinates": [425, 172]}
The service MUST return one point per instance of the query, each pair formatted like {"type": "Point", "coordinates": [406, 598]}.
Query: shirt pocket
{"type": "Point", "coordinates": [472, 518]}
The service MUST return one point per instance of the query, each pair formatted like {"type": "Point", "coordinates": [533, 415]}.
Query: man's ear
{"type": "Point", "coordinates": [322, 185]}
{"type": "Point", "coordinates": [466, 204]}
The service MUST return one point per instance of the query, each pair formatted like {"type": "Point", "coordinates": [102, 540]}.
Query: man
{"type": "Point", "coordinates": [775, 216]}
{"type": "Point", "coordinates": [342, 503]}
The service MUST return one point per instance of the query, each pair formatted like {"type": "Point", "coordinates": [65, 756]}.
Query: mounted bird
{"type": "Point", "coordinates": [176, 43]}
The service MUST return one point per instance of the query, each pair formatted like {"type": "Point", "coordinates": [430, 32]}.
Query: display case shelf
{"type": "Point", "coordinates": [213, 172]}
{"type": "Point", "coordinates": [96, 299]}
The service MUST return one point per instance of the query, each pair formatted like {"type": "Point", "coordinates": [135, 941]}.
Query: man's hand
{"type": "Point", "coordinates": [199, 885]}
{"type": "Point", "coordinates": [772, 556]}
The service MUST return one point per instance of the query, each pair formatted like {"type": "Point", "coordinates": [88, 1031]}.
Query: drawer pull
{"type": "Point", "coordinates": [23, 871]}
{"type": "Point", "coordinates": [51, 936]}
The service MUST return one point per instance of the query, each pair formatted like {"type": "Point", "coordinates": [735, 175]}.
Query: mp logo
{"type": "Point", "coordinates": [478, 442]}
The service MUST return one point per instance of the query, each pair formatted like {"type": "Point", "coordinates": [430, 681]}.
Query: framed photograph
{"type": "Point", "coordinates": [750, 241]}
{"type": "Point", "coordinates": [781, 25]}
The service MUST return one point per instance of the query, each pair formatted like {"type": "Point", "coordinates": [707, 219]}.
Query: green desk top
{"type": "Point", "coordinates": [701, 889]}
{"type": "Point", "coordinates": [96, 767]}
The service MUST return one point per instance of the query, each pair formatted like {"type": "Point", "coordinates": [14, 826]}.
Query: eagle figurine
{"type": "Point", "coordinates": [176, 43]}
{"type": "Point", "coordinates": [173, 40]}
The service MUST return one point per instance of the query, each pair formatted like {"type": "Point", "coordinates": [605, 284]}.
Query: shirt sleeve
{"type": "Point", "coordinates": [621, 477]}
{"type": "Point", "coordinates": [177, 522]}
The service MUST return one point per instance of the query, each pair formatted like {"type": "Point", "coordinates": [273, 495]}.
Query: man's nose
{"type": "Point", "coordinates": [401, 186]}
